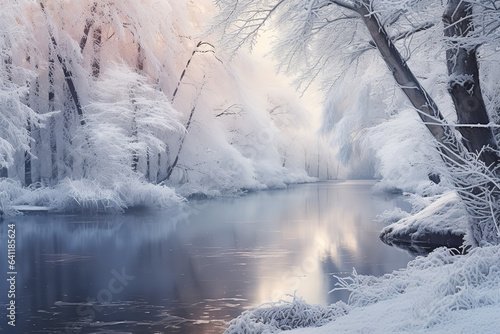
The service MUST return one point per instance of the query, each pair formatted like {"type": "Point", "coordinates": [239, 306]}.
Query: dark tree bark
{"type": "Point", "coordinates": [148, 164]}
{"type": "Point", "coordinates": [37, 140]}
{"type": "Point", "coordinates": [171, 168]}
{"type": "Point", "coordinates": [464, 86]}
{"type": "Point", "coordinates": [52, 122]}
{"type": "Point", "coordinates": [68, 130]}
{"type": "Point", "coordinates": [86, 30]}
{"type": "Point", "coordinates": [27, 154]}
{"type": "Point", "coordinates": [465, 91]}
{"type": "Point", "coordinates": [96, 59]}
{"type": "Point", "coordinates": [141, 58]}
{"type": "Point", "coordinates": [135, 132]}
{"type": "Point", "coordinates": [27, 160]}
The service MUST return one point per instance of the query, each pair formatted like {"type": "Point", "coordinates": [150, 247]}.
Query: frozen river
{"type": "Point", "coordinates": [193, 270]}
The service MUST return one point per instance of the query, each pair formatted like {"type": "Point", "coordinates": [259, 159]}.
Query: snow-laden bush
{"type": "Point", "coordinates": [285, 315]}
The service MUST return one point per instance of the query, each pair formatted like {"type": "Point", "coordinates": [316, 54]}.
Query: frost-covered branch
{"type": "Point", "coordinates": [195, 51]}
{"type": "Point", "coordinates": [408, 33]}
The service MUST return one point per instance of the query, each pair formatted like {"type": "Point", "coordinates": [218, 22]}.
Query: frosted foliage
{"type": "Point", "coordinates": [127, 116]}
{"type": "Point", "coordinates": [282, 316]}
{"type": "Point", "coordinates": [97, 96]}
{"type": "Point", "coordinates": [351, 109]}
{"type": "Point", "coordinates": [318, 37]}
{"type": "Point", "coordinates": [432, 291]}
{"type": "Point", "coordinates": [14, 112]}
{"type": "Point", "coordinates": [12, 118]}
{"type": "Point", "coordinates": [92, 197]}
{"type": "Point", "coordinates": [327, 41]}
{"type": "Point", "coordinates": [89, 196]}
{"type": "Point", "coordinates": [405, 136]}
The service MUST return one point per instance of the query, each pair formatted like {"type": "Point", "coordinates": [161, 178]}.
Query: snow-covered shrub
{"type": "Point", "coordinates": [285, 315]}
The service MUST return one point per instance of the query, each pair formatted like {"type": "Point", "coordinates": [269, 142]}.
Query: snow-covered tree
{"type": "Point", "coordinates": [323, 37]}
{"type": "Point", "coordinates": [109, 101]}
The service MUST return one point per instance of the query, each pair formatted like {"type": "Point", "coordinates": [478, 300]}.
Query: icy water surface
{"type": "Point", "coordinates": [193, 271]}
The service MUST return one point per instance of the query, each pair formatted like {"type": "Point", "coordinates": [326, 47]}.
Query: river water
{"type": "Point", "coordinates": [193, 270]}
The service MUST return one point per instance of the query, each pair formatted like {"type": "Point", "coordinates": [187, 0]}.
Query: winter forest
{"type": "Point", "coordinates": [108, 106]}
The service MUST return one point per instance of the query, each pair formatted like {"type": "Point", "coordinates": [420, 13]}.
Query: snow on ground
{"type": "Point", "coordinates": [440, 293]}
{"type": "Point", "coordinates": [440, 214]}
{"type": "Point", "coordinates": [440, 219]}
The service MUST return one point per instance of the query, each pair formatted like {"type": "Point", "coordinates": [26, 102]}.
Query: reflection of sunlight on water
{"type": "Point", "coordinates": [336, 229]}
{"type": "Point", "coordinates": [302, 276]}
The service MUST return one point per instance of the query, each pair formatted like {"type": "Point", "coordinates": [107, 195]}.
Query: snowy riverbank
{"type": "Point", "coordinates": [440, 293]}
{"type": "Point", "coordinates": [90, 196]}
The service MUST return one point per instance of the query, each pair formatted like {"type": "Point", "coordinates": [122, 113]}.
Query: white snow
{"type": "Point", "coordinates": [441, 214]}
{"type": "Point", "coordinates": [230, 126]}
{"type": "Point", "coordinates": [441, 293]}
{"type": "Point", "coordinates": [31, 208]}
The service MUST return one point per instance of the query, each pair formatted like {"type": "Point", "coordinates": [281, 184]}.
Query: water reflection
{"type": "Point", "coordinates": [192, 270]}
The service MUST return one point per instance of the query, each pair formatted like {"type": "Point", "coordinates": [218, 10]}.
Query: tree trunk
{"type": "Point", "coordinates": [141, 58]}
{"type": "Point", "coordinates": [427, 109]}
{"type": "Point", "coordinates": [464, 85]}
{"type": "Point", "coordinates": [27, 154]}
{"type": "Point", "coordinates": [52, 122]}
{"type": "Point", "coordinates": [96, 59]}
{"type": "Point", "coordinates": [37, 140]}
{"type": "Point", "coordinates": [86, 30]}
{"type": "Point", "coordinates": [135, 131]}
{"type": "Point", "coordinates": [465, 91]}
{"type": "Point", "coordinates": [171, 168]}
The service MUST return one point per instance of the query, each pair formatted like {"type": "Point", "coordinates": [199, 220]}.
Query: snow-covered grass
{"type": "Point", "coordinates": [440, 293]}
{"type": "Point", "coordinates": [285, 315]}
